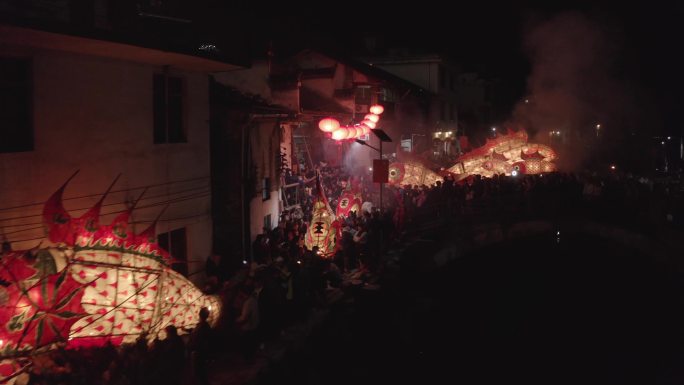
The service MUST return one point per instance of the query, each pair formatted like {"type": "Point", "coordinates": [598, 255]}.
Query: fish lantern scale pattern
{"type": "Point", "coordinates": [95, 284]}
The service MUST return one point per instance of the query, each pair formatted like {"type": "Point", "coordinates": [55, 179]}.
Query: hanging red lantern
{"type": "Point", "coordinates": [372, 117]}
{"type": "Point", "coordinates": [368, 123]}
{"type": "Point", "coordinates": [328, 124]}
{"type": "Point", "coordinates": [377, 109]}
{"type": "Point", "coordinates": [340, 134]}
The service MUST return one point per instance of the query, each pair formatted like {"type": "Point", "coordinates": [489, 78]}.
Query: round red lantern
{"type": "Point", "coordinates": [372, 117]}
{"type": "Point", "coordinates": [377, 109]}
{"type": "Point", "coordinates": [340, 134]}
{"type": "Point", "coordinates": [368, 123]}
{"type": "Point", "coordinates": [328, 125]}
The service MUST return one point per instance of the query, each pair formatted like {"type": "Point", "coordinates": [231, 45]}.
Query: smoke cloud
{"type": "Point", "coordinates": [572, 85]}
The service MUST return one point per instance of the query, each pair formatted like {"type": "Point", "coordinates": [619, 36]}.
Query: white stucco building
{"type": "Point", "coordinates": [105, 108]}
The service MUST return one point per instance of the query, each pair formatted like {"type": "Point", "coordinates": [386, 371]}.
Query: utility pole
{"type": "Point", "coordinates": [381, 183]}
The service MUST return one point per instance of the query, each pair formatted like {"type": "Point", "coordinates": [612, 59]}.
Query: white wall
{"type": "Point", "coordinates": [266, 139]}
{"type": "Point", "coordinates": [259, 208]}
{"type": "Point", "coordinates": [95, 115]}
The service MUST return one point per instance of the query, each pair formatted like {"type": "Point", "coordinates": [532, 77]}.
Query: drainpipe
{"type": "Point", "coordinates": [246, 246]}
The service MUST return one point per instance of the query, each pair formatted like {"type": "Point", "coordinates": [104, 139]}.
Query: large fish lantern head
{"type": "Point", "coordinates": [396, 173]}
{"type": "Point", "coordinates": [98, 284]}
{"type": "Point", "coordinates": [323, 229]}
{"type": "Point", "coordinates": [322, 233]}
{"type": "Point", "coordinates": [412, 173]}
{"type": "Point", "coordinates": [508, 154]}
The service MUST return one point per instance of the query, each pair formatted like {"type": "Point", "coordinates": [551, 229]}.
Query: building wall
{"type": "Point", "coordinates": [323, 86]}
{"type": "Point", "coordinates": [252, 81]}
{"type": "Point", "coordinates": [96, 115]}
{"type": "Point", "coordinates": [443, 109]}
{"type": "Point", "coordinates": [266, 138]}
{"type": "Point", "coordinates": [259, 209]}
{"type": "Point", "coordinates": [423, 74]}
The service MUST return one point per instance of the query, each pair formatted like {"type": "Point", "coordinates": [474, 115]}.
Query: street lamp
{"type": "Point", "coordinates": [364, 143]}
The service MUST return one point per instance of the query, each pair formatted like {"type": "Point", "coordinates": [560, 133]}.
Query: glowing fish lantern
{"type": "Point", "coordinates": [102, 284]}
{"type": "Point", "coordinates": [412, 173]}
{"type": "Point", "coordinates": [350, 201]}
{"type": "Point", "coordinates": [324, 229]}
{"type": "Point", "coordinates": [505, 154]}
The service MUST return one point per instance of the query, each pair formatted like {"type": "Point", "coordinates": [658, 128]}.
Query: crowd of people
{"type": "Point", "coordinates": [638, 202]}
{"type": "Point", "coordinates": [282, 281]}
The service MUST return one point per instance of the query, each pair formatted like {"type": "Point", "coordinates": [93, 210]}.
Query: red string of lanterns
{"type": "Point", "coordinates": [338, 132]}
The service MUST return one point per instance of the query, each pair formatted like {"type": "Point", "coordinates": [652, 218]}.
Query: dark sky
{"type": "Point", "coordinates": [489, 38]}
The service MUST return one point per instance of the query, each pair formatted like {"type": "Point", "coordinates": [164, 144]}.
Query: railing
{"type": "Point", "coordinates": [292, 195]}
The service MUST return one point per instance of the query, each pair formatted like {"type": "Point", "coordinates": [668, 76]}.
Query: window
{"type": "Point", "coordinates": [348, 77]}
{"type": "Point", "coordinates": [168, 110]}
{"type": "Point", "coordinates": [176, 243]}
{"type": "Point", "coordinates": [16, 126]}
{"type": "Point", "coordinates": [387, 96]}
{"type": "Point", "coordinates": [267, 222]}
{"type": "Point", "coordinates": [266, 189]}
{"type": "Point", "coordinates": [362, 99]}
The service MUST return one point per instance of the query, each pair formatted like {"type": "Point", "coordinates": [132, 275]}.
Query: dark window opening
{"type": "Point", "coordinates": [266, 189]}
{"type": "Point", "coordinates": [176, 243]}
{"type": "Point", "coordinates": [16, 126]}
{"type": "Point", "coordinates": [363, 97]}
{"type": "Point", "coordinates": [168, 110]}
{"type": "Point", "coordinates": [267, 222]}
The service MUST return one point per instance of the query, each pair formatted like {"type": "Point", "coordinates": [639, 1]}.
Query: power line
{"type": "Point", "coordinates": [113, 191]}
{"type": "Point", "coordinates": [104, 205]}
{"type": "Point", "coordinates": [136, 222]}
{"type": "Point", "coordinates": [200, 194]}
{"type": "Point", "coordinates": [22, 230]}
